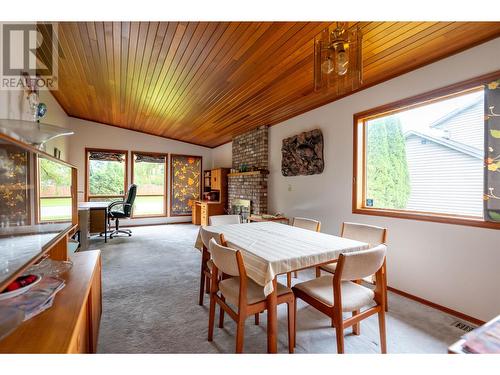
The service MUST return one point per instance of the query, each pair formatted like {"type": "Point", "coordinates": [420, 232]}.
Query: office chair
{"type": "Point", "coordinates": [124, 212]}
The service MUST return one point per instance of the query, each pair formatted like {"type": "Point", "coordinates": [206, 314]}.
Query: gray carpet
{"type": "Point", "coordinates": [150, 288]}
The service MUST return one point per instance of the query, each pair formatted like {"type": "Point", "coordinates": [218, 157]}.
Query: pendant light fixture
{"type": "Point", "coordinates": [337, 59]}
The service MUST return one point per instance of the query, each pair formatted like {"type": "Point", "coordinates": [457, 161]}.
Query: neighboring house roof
{"type": "Point", "coordinates": [456, 112]}
{"type": "Point", "coordinates": [458, 146]}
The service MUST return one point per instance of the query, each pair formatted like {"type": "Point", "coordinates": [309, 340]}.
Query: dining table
{"type": "Point", "coordinates": [270, 249]}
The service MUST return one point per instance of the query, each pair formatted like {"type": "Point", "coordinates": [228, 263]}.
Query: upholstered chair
{"type": "Point", "coordinates": [304, 223]}
{"type": "Point", "coordinates": [370, 234]}
{"type": "Point", "coordinates": [334, 294]}
{"type": "Point", "coordinates": [224, 219]}
{"type": "Point", "coordinates": [206, 262]}
{"type": "Point", "coordinates": [239, 296]}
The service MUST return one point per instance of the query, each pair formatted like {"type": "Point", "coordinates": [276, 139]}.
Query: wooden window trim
{"type": "Point", "coordinates": [172, 180]}
{"type": "Point", "coordinates": [359, 158]}
{"type": "Point", "coordinates": [38, 189]}
{"type": "Point", "coordinates": [87, 171]}
{"type": "Point", "coordinates": [165, 192]}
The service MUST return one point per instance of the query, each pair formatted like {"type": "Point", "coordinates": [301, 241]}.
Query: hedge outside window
{"type": "Point", "coordinates": [424, 157]}
{"type": "Point", "coordinates": [106, 174]}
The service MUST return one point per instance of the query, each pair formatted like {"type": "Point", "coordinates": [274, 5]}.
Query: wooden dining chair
{"type": "Point", "coordinates": [304, 223]}
{"type": "Point", "coordinates": [234, 288]}
{"type": "Point", "coordinates": [206, 262]}
{"type": "Point", "coordinates": [370, 234]}
{"type": "Point", "coordinates": [338, 293]}
{"type": "Point", "coordinates": [224, 219]}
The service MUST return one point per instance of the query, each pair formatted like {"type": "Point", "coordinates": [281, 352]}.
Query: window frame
{"type": "Point", "coordinates": [87, 173]}
{"type": "Point", "coordinates": [165, 192]}
{"type": "Point", "coordinates": [359, 153]}
{"type": "Point", "coordinates": [38, 190]}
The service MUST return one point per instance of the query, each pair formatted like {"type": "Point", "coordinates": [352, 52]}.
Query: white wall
{"type": "Point", "coordinates": [222, 156]}
{"type": "Point", "coordinates": [451, 265]}
{"type": "Point", "coordinates": [13, 105]}
{"type": "Point", "coordinates": [55, 116]}
{"type": "Point", "coordinates": [95, 135]}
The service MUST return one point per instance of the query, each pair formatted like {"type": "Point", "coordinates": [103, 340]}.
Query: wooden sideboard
{"type": "Point", "coordinates": [71, 325]}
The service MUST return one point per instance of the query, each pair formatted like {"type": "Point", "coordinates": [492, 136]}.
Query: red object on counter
{"type": "Point", "coordinates": [20, 282]}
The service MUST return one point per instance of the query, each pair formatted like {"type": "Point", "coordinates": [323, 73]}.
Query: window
{"type": "Point", "coordinates": [54, 198]}
{"type": "Point", "coordinates": [423, 158]}
{"type": "Point", "coordinates": [149, 174]}
{"type": "Point", "coordinates": [106, 174]}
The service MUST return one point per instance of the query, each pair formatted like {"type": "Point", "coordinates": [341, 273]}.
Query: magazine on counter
{"type": "Point", "coordinates": [37, 299]}
{"type": "Point", "coordinates": [484, 340]}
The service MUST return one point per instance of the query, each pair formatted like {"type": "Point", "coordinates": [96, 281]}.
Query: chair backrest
{"type": "Point", "coordinates": [130, 199]}
{"type": "Point", "coordinates": [225, 259]}
{"type": "Point", "coordinates": [207, 235]}
{"type": "Point", "coordinates": [365, 233]}
{"type": "Point", "coordinates": [304, 223]}
{"type": "Point", "coordinates": [360, 264]}
{"type": "Point", "coordinates": [224, 219]}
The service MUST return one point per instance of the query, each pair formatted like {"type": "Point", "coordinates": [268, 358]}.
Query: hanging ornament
{"type": "Point", "coordinates": [41, 110]}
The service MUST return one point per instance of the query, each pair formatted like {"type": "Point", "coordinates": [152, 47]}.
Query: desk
{"type": "Point", "coordinates": [202, 210]}
{"type": "Point", "coordinates": [102, 209]}
{"type": "Point", "coordinates": [270, 249]}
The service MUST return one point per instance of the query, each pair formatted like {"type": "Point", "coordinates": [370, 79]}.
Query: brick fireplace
{"type": "Point", "coordinates": [250, 152]}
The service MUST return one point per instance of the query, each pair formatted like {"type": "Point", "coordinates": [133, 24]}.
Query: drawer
{"type": "Point", "coordinates": [204, 220]}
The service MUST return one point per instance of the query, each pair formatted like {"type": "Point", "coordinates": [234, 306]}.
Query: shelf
{"type": "Point", "coordinates": [33, 133]}
{"type": "Point", "coordinates": [252, 173]}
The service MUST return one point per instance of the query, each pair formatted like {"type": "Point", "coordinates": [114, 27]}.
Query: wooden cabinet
{"type": "Point", "coordinates": [202, 210]}
{"type": "Point", "coordinates": [97, 221]}
{"type": "Point", "coordinates": [79, 344]}
{"type": "Point", "coordinates": [216, 180]}
{"type": "Point", "coordinates": [71, 325]}
{"type": "Point", "coordinates": [196, 212]}
{"type": "Point", "coordinates": [210, 209]}
{"type": "Point", "coordinates": [95, 307]}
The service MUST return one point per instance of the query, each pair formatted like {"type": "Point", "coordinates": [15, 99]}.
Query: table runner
{"type": "Point", "coordinates": [271, 249]}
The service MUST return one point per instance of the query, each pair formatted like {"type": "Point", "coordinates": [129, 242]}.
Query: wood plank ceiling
{"type": "Point", "coordinates": [204, 82]}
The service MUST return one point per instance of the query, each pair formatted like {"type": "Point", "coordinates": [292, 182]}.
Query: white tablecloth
{"type": "Point", "coordinates": [271, 249]}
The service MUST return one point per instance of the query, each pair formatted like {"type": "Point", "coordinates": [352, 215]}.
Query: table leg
{"type": "Point", "coordinates": [272, 319]}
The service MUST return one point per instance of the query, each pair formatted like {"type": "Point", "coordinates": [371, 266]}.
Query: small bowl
{"type": "Point", "coordinates": [20, 291]}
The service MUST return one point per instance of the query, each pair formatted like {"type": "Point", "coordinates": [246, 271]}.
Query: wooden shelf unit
{"type": "Point", "coordinates": [71, 325]}
{"type": "Point", "coordinates": [201, 209]}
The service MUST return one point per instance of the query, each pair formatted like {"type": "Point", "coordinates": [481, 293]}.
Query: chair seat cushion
{"type": "Point", "coordinates": [230, 289]}
{"type": "Point", "coordinates": [354, 296]}
{"type": "Point", "coordinates": [117, 214]}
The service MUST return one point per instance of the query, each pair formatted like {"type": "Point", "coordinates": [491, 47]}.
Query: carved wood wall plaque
{"type": "Point", "coordinates": [302, 154]}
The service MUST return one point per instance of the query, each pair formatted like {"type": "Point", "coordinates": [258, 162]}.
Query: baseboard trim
{"type": "Point", "coordinates": [152, 224]}
{"type": "Point", "coordinates": [444, 309]}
